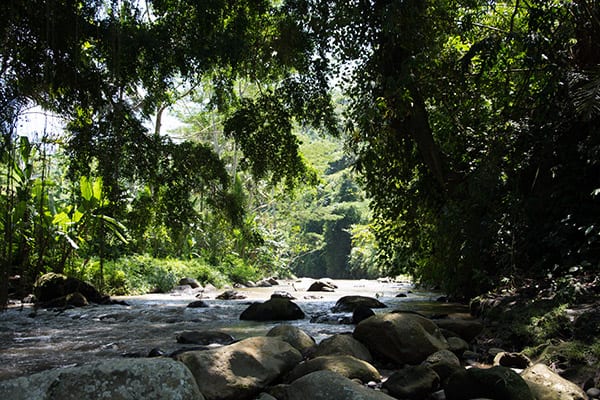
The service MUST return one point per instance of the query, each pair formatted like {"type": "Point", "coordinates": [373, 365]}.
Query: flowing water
{"type": "Point", "coordinates": [35, 341]}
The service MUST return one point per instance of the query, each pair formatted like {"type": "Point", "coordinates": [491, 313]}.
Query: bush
{"type": "Point", "coordinates": [141, 274]}
{"type": "Point", "coordinates": [241, 272]}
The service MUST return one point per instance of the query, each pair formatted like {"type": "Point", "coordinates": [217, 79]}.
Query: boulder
{"type": "Point", "coordinates": [412, 382]}
{"type": "Point", "coordinates": [282, 294]}
{"type": "Point", "coordinates": [51, 286]}
{"type": "Point", "coordinates": [361, 313]}
{"type": "Point", "coordinates": [118, 379]}
{"type": "Point", "coordinates": [444, 363]}
{"type": "Point", "coordinates": [345, 365]}
{"type": "Point", "coordinates": [496, 383]}
{"type": "Point", "coordinates": [321, 286]}
{"type": "Point", "coordinates": [198, 304]}
{"type": "Point", "coordinates": [205, 337]}
{"type": "Point", "coordinates": [240, 370]}
{"type": "Point", "coordinates": [191, 282]}
{"type": "Point", "coordinates": [230, 295]}
{"type": "Point", "coordinates": [343, 344]}
{"type": "Point", "coordinates": [466, 329]}
{"type": "Point", "coordinates": [402, 338]}
{"type": "Point", "coordinates": [548, 385]}
{"type": "Point", "coordinates": [328, 385]}
{"type": "Point", "coordinates": [264, 283]}
{"type": "Point", "coordinates": [299, 339]}
{"type": "Point", "coordinates": [275, 309]}
{"type": "Point", "coordinates": [349, 303]}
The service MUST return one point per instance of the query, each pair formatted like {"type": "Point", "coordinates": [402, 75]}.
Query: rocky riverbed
{"type": "Point", "coordinates": [35, 340]}
{"type": "Point", "coordinates": [415, 348]}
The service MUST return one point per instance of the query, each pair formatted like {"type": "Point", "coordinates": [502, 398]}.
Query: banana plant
{"type": "Point", "coordinates": [86, 221]}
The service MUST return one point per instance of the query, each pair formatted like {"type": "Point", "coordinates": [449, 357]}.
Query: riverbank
{"type": "Point", "coordinates": [38, 340]}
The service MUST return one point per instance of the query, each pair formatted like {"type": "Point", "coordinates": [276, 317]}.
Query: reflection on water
{"type": "Point", "coordinates": [52, 339]}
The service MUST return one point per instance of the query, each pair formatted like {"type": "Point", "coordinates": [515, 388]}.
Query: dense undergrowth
{"type": "Point", "coordinates": [139, 274]}
{"type": "Point", "coordinates": [553, 322]}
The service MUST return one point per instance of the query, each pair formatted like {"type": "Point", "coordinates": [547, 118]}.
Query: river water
{"type": "Point", "coordinates": [32, 342]}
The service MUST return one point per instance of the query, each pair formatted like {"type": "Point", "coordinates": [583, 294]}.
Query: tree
{"type": "Point", "coordinates": [462, 120]}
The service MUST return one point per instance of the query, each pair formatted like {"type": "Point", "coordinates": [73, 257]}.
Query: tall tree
{"type": "Point", "coordinates": [463, 121]}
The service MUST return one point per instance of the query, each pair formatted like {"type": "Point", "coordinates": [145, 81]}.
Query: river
{"type": "Point", "coordinates": [53, 339]}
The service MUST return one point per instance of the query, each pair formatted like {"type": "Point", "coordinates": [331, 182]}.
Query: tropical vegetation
{"type": "Point", "coordinates": [454, 141]}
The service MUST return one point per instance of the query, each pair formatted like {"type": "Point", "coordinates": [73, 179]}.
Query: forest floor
{"type": "Point", "coordinates": [550, 321]}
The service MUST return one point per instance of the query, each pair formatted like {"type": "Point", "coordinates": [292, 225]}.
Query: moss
{"type": "Point", "coordinates": [553, 324]}
{"type": "Point", "coordinates": [576, 360]}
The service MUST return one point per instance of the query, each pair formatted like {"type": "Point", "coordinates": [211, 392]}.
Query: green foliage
{"type": "Point", "coordinates": [143, 274]}
{"type": "Point", "coordinates": [239, 271]}
{"type": "Point", "coordinates": [469, 122]}
{"type": "Point", "coordinates": [363, 256]}
{"type": "Point", "coordinates": [473, 126]}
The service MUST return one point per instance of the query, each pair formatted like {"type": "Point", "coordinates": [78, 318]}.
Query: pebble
{"type": "Point", "coordinates": [593, 393]}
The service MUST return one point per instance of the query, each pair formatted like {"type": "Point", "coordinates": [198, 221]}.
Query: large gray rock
{"type": "Point", "coordinates": [275, 309]}
{"type": "Point", "coordinates": [328, 385]}
{"type": "Point", "coordinates": [403, 338]}
{"type": "Point", "coordinates": [349, 303]}
{"type": "Point", "coordinates": [344, 365]}
{"type": "Point", "coordinates": [119, 379]}
{"type": "Point", "coordinates": [241, 370]}
{"type": "Point", "coordinates": [299, 339]}
{"type": "Point", "coordinates": [343, 344]}
{"type": "Point", "coordinates": [547, 385]}
{"type": "Point", "coordinates": [496, 383]}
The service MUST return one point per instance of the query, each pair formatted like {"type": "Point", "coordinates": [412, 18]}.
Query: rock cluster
{"type": "Point", "coordinates": [389, 355]}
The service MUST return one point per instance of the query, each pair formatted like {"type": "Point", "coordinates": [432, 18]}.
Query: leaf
{"type": "Point", "coordinates": [97, 189]}
{"type": "Point", "coordinates": [61, 219]}
{"type": "Point", "coordinates": [115, 227]}
{"type": "Point", "coordinates": [86, 188]}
